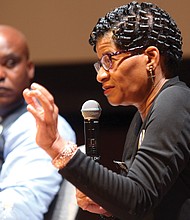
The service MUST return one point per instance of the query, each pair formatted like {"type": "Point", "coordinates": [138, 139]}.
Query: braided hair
{"type": "Point", "coordinates": [136, 26]}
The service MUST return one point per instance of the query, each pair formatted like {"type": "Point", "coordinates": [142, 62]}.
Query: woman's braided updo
{"type": "Point", "coordinates": [136, 26]}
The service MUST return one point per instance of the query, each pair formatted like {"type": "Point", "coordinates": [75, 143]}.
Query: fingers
{"type": "Point", "coordinates": [82, 199]}
{"type": "Point", "coordinates": [86, 203]}
{"type": "Point", "coordinates": [79, 193]}
{"type": "Point", "coordinates": [30, 99]}
{"type": "Point", "coordinates": [40, 101]}
{"type": "Point", "coordinates": [27, 97]}
{"type": "Point", "coordinates": [44, 92]}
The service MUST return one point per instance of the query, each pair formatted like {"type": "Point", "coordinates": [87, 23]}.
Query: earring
{"type": "Point", "coordinates": [151, 74]}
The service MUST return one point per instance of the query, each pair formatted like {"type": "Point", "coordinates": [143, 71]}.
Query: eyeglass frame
{"type": "Point", "coordinates": [98, 64]}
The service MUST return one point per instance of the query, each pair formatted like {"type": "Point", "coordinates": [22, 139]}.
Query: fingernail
{"type": "Point", "coordinates": [34, 85]}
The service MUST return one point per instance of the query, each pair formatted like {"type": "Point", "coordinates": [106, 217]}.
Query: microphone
{"type": "Point", "coordinates": [91, 112]}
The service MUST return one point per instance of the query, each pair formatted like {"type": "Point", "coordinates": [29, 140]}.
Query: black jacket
{"type": "Point", "coordinates": [156, 154]}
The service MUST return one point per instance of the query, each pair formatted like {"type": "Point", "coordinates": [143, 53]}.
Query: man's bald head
{"type": "Point", "coordinates": [14, 37]}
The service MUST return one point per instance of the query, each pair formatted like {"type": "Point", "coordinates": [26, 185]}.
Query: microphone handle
{"type": "Point", "coordinates": [91, 131]}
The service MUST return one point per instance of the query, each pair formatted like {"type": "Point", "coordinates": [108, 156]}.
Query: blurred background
{"type": "Point", "coordinates": [57, 32]}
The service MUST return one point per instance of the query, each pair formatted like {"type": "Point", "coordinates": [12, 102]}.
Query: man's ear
{"type": "Point", "coordinates": [153, 57]}
{"type": "Point", "coordinates": [30, 69]}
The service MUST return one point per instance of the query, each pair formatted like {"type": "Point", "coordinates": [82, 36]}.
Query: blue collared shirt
{"type": "Point", "coordinates": [28, 180]}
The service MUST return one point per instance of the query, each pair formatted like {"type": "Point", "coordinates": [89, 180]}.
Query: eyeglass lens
{"type": "Point", "coordinates": [106, 62]}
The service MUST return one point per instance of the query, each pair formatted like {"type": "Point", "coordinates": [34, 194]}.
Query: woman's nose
{"type": "Point", "coordinates": [102, 75]}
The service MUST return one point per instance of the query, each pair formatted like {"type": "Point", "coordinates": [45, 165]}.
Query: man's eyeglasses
{"type": "Point", "coordinates": [106, 60]}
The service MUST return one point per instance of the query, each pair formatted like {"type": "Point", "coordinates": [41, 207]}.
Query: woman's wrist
{"type": "Point", "coordinates": [61, 160]}
{"type": "Point", "coordinates": [56, 147]}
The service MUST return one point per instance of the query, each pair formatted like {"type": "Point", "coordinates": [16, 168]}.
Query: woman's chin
{"type": "Point", "coordinates": [113, 103]}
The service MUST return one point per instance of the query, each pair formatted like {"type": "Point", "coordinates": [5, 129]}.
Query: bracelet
{"type": "Point", "coordinates": [63, 158]}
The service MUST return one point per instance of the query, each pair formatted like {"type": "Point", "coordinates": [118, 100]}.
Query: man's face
{"type": "Point", "coordinates": [15, 69]}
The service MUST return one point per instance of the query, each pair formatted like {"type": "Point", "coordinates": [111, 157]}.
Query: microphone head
{"type": "Point", "coordinates": [91, 110]}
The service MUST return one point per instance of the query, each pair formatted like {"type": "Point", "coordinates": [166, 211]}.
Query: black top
{"type": "Point", "coordinates": [157, 156]}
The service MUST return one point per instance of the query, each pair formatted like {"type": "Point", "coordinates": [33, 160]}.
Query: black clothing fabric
{"type": "Point", "coordinates": [157, 156]}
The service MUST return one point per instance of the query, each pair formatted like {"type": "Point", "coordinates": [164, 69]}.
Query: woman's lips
{"type": "Point", "coordinates": [107, 90]}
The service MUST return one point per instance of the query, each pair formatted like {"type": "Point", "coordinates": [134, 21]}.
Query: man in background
{"type": "Point", "coordinates": [28, 181]}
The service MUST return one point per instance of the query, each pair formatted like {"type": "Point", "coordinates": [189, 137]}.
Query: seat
{"type": "Point", "coordinates": [64, 206]}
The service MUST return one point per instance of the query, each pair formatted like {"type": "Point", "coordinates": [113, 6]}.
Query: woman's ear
{"type": "Point", "coordinates": [153, 57]}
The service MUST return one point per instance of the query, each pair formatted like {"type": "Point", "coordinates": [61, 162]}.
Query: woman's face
{"type": "Point", "coordinates": [126, 83]}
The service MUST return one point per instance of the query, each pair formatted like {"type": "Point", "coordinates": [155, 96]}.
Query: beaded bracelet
{"type": "Point", "coordinates": [61, 160]}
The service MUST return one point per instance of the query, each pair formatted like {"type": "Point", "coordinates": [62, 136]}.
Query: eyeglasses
{"type": "Point", "coordinates": [106, 60]}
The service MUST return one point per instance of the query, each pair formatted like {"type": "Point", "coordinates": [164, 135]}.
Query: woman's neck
{"type": "Point", "coordinates": [145, 107]}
